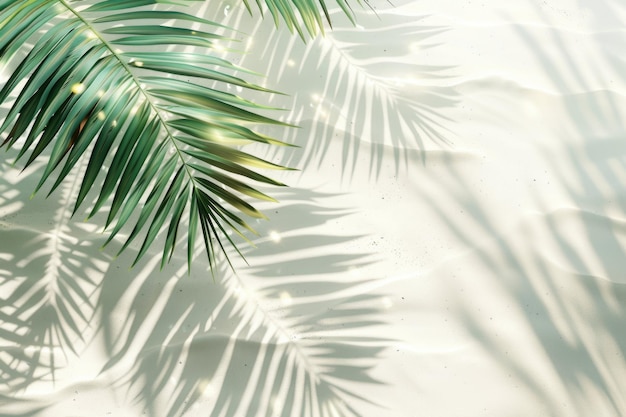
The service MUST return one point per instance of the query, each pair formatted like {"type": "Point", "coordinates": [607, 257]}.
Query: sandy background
{"type": "Point", "coordinates": [454, 245]}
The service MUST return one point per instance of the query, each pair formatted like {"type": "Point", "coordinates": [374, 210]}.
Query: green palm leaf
{"type": "Point", "coordinates": [170, 145]}
{"type": "Point", "coordinates": [304, 13]}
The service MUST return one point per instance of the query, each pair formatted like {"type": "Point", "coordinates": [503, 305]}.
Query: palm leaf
{"type": "Point", "coordinates": [170, 144]}
{"type": "Point", "coordinates": [300, 15]}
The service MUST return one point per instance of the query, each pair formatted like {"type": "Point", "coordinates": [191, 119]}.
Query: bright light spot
{"type": "Point", "coordinates": [387, 303]}
{"type": "Point", "coordinates": [206, 389]}
{"type": "Point", "coordinates": [291, 62]}
{"type": "Point", "coordinates": [249, 43]}
{"type": "Point", "coordinates": [118, 51]}
{"type": "Point", "coordinates": [137, 63]}
{"type": "Point", "coordinates": [134, 110]}
{"type": "Point", "coordinates": [285, 299]}
{"type": "Point", "coordinates": [114, 123]}
{"type": "Point", "coordinates": [101, 115]}
{"type": "Point", "coordinates": [240, 292]}
{"type": "Point", "coordinates": [90, 35]}
{"type": "Point", "coordinates": [226, 10]}
{"type": "Point", "coordinates": [100, 93]}
{"type": "Point", "coordinates": [275, 236]}
{"type": "Point", "coordinates": [193, 32]}
{"type": "Point", "coordinates": [78, 88]}
{"type": "Point", "coordinates": [217, 46]}
{"type": "Point", "coordinates": [316, 97]}
{"type": "Point", "coordinates": [216, 135]}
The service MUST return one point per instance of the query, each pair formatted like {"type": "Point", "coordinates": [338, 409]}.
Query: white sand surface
{"type": "Point", "coordinates": [453, 246]}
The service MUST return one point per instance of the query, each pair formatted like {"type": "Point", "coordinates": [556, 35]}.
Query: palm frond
{"type": "Point", "coordinates": [158, 119]}
{"type": "Point", "coordinates": [301, 15]}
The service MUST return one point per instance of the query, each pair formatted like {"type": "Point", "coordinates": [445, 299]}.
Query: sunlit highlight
{"type": "Point", "coordinates": [78, 88]}
{"type": "Point", "coordinates": [206, 389]}
{"type": "Point", "coordinates": [285, 299]}
{"type": "Point", "coordinates": [240, 293]}
{"type": "Point", "coordinates": [275, 236]}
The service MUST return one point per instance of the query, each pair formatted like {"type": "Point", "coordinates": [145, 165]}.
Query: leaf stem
{"type": "Point", "coordinates": [146, 95]}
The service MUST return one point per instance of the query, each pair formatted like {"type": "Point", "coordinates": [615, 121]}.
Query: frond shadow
{"type": "Point", "coordinates": [357, 88]}
{"type": "Point", "coordinates": [280, 338]}
{"type": "Point", "coordinates": [49, 280]}
{"type": "Point", "coordinates": [561, 267]}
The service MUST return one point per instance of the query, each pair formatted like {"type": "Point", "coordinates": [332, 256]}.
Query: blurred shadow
{"type": "Point", "coordinates": [561, 268]}
{"type": "Point", "coordinates": [366, 86]}
{"type": "Point", "coordinates": [287, 336]}
{"type": "Point", "coordinates": [49, 278]}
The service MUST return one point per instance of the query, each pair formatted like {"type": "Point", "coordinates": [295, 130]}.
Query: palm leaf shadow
{"type": "Point", "coordinates": [289, 343]}
{"type": "Point", "coordinates": [49, 280]}
{"type": "Point", "coordinates": [570, 289]}
{"type": "Point", "coordinates": [356, 87]}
